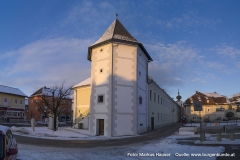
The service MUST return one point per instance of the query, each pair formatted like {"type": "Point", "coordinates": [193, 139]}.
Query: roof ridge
{"type": "Point", "coordinates": [9, 87]}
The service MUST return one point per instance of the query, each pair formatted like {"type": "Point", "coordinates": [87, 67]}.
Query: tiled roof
{"type": "Point", "coordinates": [116, 32]}
{"type": "Point", "coordinates": [208, 98]}
{"type": "Point", "coordinates": [47, 91]}
{"type": "Point", "coordinates": [11, 90]}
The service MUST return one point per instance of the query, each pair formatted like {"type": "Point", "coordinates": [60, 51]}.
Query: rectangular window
{"type": "Point", "coordinates": [140, 100]}
{"type": "Point", "coordinates": [5, 100]}
{"type": "Point", "coordinates": [154, 97]}
{"type": "Point", "coordinates": [100, 99]}
{"type": "Point", "coordinates": [32, 101]}
{"type": "Point", "coordinates": [15, 101]}
{"type": "Point", "coordinates": [45, 108]}
{"type": "Point", "coordinates": [21, 102]}
{"type": "Point", "coordinates": [150, 94]}
{"type": "Point", "coordinates": [158, 99]}
{"type": "Point", "coordinates": [36, 107]}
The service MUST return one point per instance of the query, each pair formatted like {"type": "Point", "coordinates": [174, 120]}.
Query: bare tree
{"type": "Point", "coordinates": [52, 98]}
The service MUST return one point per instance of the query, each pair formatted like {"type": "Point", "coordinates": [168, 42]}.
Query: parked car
{"type": "Point", "coordinates": [8, 144]}
{"type": "Point", "coordinates": [218, 119]}
{"type": "Point", "coordinates": [206, 120]}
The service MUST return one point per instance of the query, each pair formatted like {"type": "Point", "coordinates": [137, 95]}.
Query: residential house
{"type": "Point", "coordinates": [42, 112]}
{"type": "Point", "coordinates": [214, 106]}
{"type": "Point", "coordinates": [235, 101]}
{"type": "Point", "coordinates": [12, 104]}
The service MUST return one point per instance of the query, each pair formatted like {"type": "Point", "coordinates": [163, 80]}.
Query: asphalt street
{"type": "Point", "coordinates": [156, 134]}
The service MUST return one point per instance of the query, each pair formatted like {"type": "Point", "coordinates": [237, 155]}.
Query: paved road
{"type": "Point", "coordinates": [157, 134]}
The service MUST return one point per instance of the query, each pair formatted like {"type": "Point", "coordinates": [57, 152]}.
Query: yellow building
{"type": "Point", "coordinates": [12, 104]}
{"type": "Point", "coordinates": [81, 102]}
{"type": "Point", "coordinates": [214, 106]}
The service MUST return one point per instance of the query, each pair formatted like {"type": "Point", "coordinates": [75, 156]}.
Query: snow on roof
{"type": "Point", "coordinates": [83, 83]}
{"type": "Point", "coordinates": [214, 94]}
{"type": "Point", "coordinates": [116, 31]}
{"type": "Point", "coordinates": [236, 95]}
{"type": "Point", "coordinates": [4, 129]}
{"type": "Point", "coordinates": [10, 90]}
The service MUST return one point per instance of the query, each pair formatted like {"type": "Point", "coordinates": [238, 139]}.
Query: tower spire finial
{"type": "Point", "coordinates": [116, 16]}
{"type": "Point", "coordinates": [178, 97]}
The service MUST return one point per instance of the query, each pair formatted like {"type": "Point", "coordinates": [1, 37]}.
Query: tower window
{"type": "Point", "coordinates": [140, 100]}
{"type": "Point", "coordinates": [101, 70]}
{"type": "Point", "coordinates": [154, 97]}
{"type": "Point", "coordinates": [150, 94]}
{"type": "Point", "coordinates": [100, 99]}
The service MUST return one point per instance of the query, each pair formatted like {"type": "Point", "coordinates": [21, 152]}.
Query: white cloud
{"type": "Point", "coordinates": [199, 80]}
{"type": "Point", "coordinates": [188, 20]}
{"type": "Point", "coordinates": [90, 13]}
{"type": "Point", "coordinates": [174, 63]}
{"type": "Point", "coordinates": [230, 57]}
{"type": "Point", "coordinates": [46, 62]}
{"type": "Point", "coordinates": [215, 65]}
{"type": "Point", "coordinates": [227, 51]}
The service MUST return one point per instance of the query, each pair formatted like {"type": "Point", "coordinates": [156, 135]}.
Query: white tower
{"type": "Point", "coordinates": [119, 83]}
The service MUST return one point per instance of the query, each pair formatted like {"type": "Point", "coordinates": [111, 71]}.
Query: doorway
{"type": "Point", "coordinates": [152, 123]}
{"type": "Point", "coordinates": [101, 127]}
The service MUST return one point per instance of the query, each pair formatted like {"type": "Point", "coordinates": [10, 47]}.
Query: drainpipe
{"type": "Point", "coordinates": [147, 92]}
{"type": "Point", "coordinates": [112, 95]}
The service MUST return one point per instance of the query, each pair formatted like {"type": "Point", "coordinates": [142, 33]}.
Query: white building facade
{"type": "Point", "coordinates": [118, 104]}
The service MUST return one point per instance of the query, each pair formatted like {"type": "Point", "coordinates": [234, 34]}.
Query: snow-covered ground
{"type": "Point", "coordinates": [159, 149]}
{"type": "Point", "coordinates": [167, 148]}
{"type": "Point", "coordinates": [63, 133]}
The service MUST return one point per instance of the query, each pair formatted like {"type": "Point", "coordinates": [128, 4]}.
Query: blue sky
{"type": "Point", "coordinates": [195, 45]}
